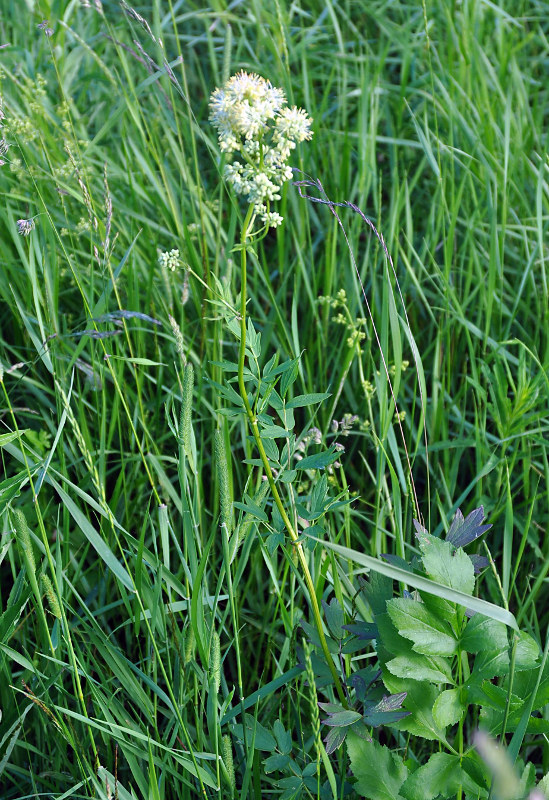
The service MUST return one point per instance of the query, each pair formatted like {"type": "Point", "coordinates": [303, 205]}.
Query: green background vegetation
{"type": "Point", "coordinates": [433, 120]}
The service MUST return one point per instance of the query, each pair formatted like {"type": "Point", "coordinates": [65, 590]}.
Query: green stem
{"type": "Point", "coordinates": [276, 496]}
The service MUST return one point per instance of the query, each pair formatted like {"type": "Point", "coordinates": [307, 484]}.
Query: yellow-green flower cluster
{"type": "Point", "coordinates": [252, 119]}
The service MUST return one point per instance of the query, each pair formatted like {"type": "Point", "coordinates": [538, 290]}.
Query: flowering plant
{"type": "Point", "coordinates": [253, 120]}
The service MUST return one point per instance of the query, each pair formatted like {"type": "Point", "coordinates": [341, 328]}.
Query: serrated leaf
{"type": "Point", "coordinates": [483, 633]}
{"type": "Point", "coordinates": [452, 568]}
{"type": "Point", "coordinates": [448, 708]}
{"type": "Point", "coordinates": [335, 739]}
{"type": "Point", "coordinates": [302, 400]}
{"type": "Point", "coordinates": [491, 664]}
{"type": "Point", "coordinates": [420, 667]}
{"type": "Point", "coordinates": [439, 777]}
{"type": "Point", "coordinates": [342, 719]}
{"type": "Point", "coordinates": [331, 708]}
{"type": "Point", "coordinates": [430, 635]}
{"type": "Point", "coordinates": [424, 584]}
{"type": "Point", "coordinates": [387, 711]}
{"type": "Point", "coordinates": [464, 531]}
{"type": "Point", "coordinates": [378, 590]}
{"type": "Point", "coordinates": [379, 772]}
{"type": "Point", "coordinates": [420, 699]}
{"type": "Point", "coordinates": [318, 460]}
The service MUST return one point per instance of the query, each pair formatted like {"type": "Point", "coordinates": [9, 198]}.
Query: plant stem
{"type": "Point", "coordinates": [276, 496]}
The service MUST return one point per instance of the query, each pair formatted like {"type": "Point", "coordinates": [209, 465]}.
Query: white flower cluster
{"type": "Point", "coordinates": [252, 119]}
{"type": "Point", "coordinates": [169, 260]}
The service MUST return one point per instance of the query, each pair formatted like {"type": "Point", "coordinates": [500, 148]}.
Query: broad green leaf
{"type": "Point", "coordinates": [446, 565]}
{"type": "Point", "coordinates": [273, 541]}
{"type": "Point", "coordinates": [448, 708]}
{"type": "Point", "coordinates": [482, 633]}
{"type": "Point", "coordinates": [420, 698]}
{"type": "Point", "coordinates": [276, 761]}
{"type": "Point", "coordinates": [414, 621]}
{"type": "Point", "coordinates": [290, 785]}
{"type": "Point", "coordinates": [441, 777]}
{"type": "Point", "coordinates": [256, 735]}
{"type": "Point", "coordinates": [283, 737]}
{"type": "Point", "coordinates": [378, 591]}
{"type": "Point", "coordinates": [490, 664]}
{"type": "Point", "coordinates": [273, 432]}
{"type": "Point", "coordinates": [288, 475]}
{"type": "Point", "coordinates": [252, 509]}
{"type": "Point", "coordinates": [334, 618]}
{"type": "Point", "coordinates": [387, 711]}
{"type": "Point", "coordinates": [436, 778]}
{"type": "Point", "coordinates": [419, 667]}
{"type": "Point", "coordinates": [379, 772]}
{"type": "Point", "coordinates": [307, 399]}
{"type": "Point", "coordinates": [289, 376]}
{"type": "Point", "coordinates": [318, 460]}
{"type": "Point", "coordinates": [424, 584]}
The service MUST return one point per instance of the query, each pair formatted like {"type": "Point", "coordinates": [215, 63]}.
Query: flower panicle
{"type": "Point", "coordinates": [252, 119]}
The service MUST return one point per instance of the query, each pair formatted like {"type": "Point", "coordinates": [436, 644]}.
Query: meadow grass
{"type": "Point", "coordinates": [136, 630]}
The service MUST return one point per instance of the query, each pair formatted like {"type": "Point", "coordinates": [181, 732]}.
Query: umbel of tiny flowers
{"type": "Point", "coordinates": [253, 120]}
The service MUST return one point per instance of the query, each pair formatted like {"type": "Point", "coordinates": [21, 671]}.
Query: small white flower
{"type": "Point", "coordinates": [294, 124]}
{"type": "Point", "coordinates": [169, 260]}
{"type": "Point", "coordinates": [251, 118]}
{"type": "Point", "coordinates": [272, 219]}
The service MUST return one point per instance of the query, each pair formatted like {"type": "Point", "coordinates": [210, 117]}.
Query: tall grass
{"type": "Point", "coordinates": [137, 631]}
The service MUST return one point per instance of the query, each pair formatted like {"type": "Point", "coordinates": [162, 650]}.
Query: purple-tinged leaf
{"type": "Point", "coordinates": [335, 739]}
{"type": "Point", "coordinates": [390, 702]}
{"type": "Point", "coordinates": [386, 712]}
{"type": "Point", "coordinates": [362, 630]}
{"type": "Point", "coordinates": [479, 563]}
{"type": "Point", "coordinates": [342, 719]}
{"type": "Point", "coordinates": [464, 531]}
